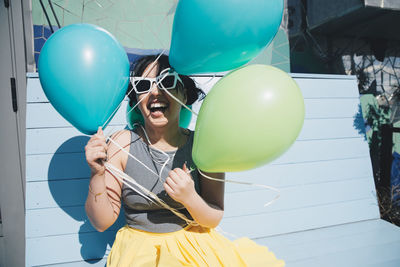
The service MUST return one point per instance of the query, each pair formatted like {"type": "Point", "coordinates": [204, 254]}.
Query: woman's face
{"type": "Point", "coordinates": [158, 107]}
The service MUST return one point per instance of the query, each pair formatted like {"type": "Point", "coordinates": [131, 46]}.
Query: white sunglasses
{"type": "Point", "coordinates": [167, 80]}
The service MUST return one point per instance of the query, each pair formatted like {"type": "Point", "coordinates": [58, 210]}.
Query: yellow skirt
{"type": "Point", "coordinates": [192, 246]}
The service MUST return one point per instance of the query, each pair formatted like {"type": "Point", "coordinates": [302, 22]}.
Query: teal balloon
{"type": "Point", "coordinates": [84, 72]}
{"type": "Point", "coordinates": [185, 117]}
{"type": "Point", "coordinates": [135, 116]}
{"type": "Point", "coordinates": [214, 36]}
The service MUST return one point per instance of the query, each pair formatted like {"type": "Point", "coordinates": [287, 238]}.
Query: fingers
{"type": "Point", "coordinates": [96, 151]}
{"type": "Point", "coordinates": [98, 136]}
{"type": "Point", "coordinates": [179, 185]}
{"type": "Point", "coordinates": [184, 168]}
{"type": "Point", "coordinates": [97, 139]}
{"type": "Point", "coordinates": [96, 157]}
{"type": "Point", "coordinates": [97, 143]}
{"type": "Point", "coordinates": [176, 175]}
{"type": "Point", "coordinates": [171, 182]}
{"type": "Point", "coordinates": [169, 190]}
{"type": "Point", "coordinates": [179, 179]}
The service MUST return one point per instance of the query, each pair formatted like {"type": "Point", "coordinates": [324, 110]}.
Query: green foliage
{"type": "Point", "coordinates": [375, 117]}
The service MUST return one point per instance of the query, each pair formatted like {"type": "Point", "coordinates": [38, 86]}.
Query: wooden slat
{"type": "Point", "coordinates": [54, 140]}
{"type": "Point", "coordinates": [43, 115]}
{"type": "Point", "coordinates": [297, 239]}
{"type": "Point", "coordinates": [68, 248]}
{"type": "Point", "coordinates": [330, 129]}
{"type": "Point", "coordinates": [68, 219]}
{"type": "Point", "coordinates": [253, 226]}
{"type": "Point", "coordinates": [313, 195]}
{"type": "Point", "coordinates": [365, 255]}
{"type": "Point", "coordinates": [289, 221]}
{"type": "Point", "coordinates": [52, 193]}
{"type": "Point", "coordinates": [368, 243]}
{"type": "Point", "coordinates": [331, 108]}
{"type": "Point", "coordinates": [272, 174]}
{"type": "Point", "coordinates": [61, 221]}
{"type": "Point", "coordinates": [318, 150]}
{"type": "Point", "coordinates": [89, 263]}
{"type": "Point", "coordinates": [325, 77]}
{"type": "Point", "coordinates": [52, 249]}
{"type": "Point", "coordinates": [335, 88]}
{"type": "Point", "coordinates": [57, 166]}
{"type": "Point", "coordinates": [67, 193]}
{"type": "Point", "coordinates": [310, 87]}
{"type": "Point", "coordinates": [312, 173]}
{"type": "Point", "coordinates": [61, 193]}
{"type": "Point", "coordinates": [34, 92]}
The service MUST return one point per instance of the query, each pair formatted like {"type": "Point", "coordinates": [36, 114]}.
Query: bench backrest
{"type": "Point", "coordinates": [325, 178]}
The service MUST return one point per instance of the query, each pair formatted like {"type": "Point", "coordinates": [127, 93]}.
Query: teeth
{"type": "Point", "coordinates": [158, 105]}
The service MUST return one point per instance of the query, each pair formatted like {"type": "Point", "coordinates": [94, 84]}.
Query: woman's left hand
{"type": "Point", "coordinates": [180, 185]}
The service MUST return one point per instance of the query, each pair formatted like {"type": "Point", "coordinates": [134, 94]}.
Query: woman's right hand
{"type": "Point", "coordinates": [96, 153]}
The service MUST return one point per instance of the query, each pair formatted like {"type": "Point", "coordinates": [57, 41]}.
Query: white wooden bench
{"type": "Point", "coordinates": [327, 214]}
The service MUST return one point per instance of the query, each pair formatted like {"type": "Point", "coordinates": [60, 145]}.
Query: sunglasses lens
{"type": "Point", "coordinates": [168, 82]}
{"type": "Point", "coordinates": [142, 86]}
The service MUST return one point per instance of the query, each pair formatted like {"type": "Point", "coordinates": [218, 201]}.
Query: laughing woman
{"type": "Point", "coordinates": [180, 233]}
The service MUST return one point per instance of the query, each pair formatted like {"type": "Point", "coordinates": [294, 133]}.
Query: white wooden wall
{"type": "Point", "coordinates": [325, 178]}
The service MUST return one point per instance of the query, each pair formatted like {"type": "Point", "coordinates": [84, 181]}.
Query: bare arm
{"type": "Point", "coordinates": [207, 208]}
{"type": "Point", "coordinates": [103, 203]}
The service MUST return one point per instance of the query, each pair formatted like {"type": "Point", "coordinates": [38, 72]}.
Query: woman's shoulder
{"type": "Point", "coordinates": [121, 135]}
{"type": "Point", "coordinates": [121, 138]}
{"type": "Point", "coordinates": [118, 142]}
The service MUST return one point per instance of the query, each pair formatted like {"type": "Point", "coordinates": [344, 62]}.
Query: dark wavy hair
{"type": "Point", "coordinates": [193, 93]}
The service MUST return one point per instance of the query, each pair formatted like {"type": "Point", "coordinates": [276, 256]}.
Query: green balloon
{"type": "Point", "coordinates": [250, 117]}
{"type": "Point", "coordinates": [135, 116]}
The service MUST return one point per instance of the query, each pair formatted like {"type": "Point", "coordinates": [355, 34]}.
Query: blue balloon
{"type": "Point", "coordinates": [84, 72]}
{"type": "Point", "coordinates": [214, 36]}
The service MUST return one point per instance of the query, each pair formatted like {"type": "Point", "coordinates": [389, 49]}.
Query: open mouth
{"type": "Point", "coordinates": [157, 107]}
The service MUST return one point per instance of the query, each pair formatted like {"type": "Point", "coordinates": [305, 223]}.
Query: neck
{"type": "Point", "coordinates": [165, 138]}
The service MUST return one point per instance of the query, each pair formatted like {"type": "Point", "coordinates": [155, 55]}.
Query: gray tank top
{"type": "Point", "coordinates": [141, 213]}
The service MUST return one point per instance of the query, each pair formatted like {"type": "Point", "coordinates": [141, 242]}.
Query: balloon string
{"type": "Point", "coordinates": [229, 181]}
{"type": "Point", "coordinates": [206, 82]}
{"type": "Point", "coordinates": [147, 194]}
{"type": "Point", "coordinates": [140, 162]}
{"type": "Point", "coordinates": [202, 173]}
{"type": "Point", "coordinates": [164, 164]}
{"type": "Point", "coordinates": [245, 183]}
{"type": "Point", "coordinates": [180, 102]}
{"type": "Point", "coordinates": [118, 173]}
{"type": "Point", "coordinates": [130, 155]}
